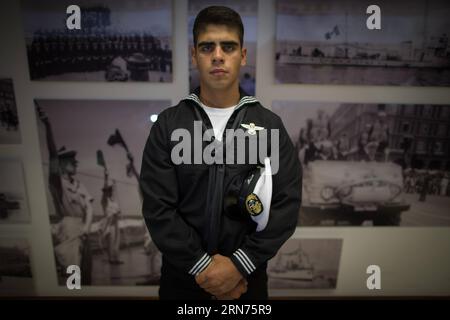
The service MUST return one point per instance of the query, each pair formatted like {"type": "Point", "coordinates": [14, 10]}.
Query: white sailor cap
{"type": "Point", "coordinates": [249, 196]}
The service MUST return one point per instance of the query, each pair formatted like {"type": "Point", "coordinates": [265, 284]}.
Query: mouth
{"type": "Point", "coordinates": [218, 72]}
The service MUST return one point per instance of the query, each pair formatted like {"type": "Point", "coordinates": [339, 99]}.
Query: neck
{"type": "Point", "coordinates": [67, 176]}
{"type": "Point", "coordinates": [220, 98]}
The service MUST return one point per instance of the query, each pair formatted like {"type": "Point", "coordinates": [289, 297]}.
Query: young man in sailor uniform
{"type": "Point", "coordinates": [218, 223]}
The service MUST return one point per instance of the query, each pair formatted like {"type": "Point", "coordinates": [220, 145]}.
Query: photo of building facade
{"type": "Point", "coordinates": [371, 164]}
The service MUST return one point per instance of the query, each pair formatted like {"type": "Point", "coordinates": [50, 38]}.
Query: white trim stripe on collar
{"type": "Point", "coordinates": [244, 100]}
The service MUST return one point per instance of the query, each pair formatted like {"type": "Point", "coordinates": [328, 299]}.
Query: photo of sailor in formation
{"type": "Point", "coordinates": [371, 164]}
{"type": "Point", "coordinates": [90, 150]}
{"type": "Point", "coordinates": [117, 41]}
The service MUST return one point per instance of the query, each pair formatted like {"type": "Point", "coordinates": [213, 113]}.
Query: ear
{"type": "Point", "coordinates": [194, 56]}
{"type": "Point", "coordinates": [244, 57]}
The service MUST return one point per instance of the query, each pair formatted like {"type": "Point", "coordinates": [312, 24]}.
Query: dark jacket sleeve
{"type": "Point", "coordinates": [179, 243]}
{"type": "Point", "coordinates": [259, 247]}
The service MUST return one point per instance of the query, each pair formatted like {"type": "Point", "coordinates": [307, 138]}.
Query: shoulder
{"type": "Point", "coordinates": [267, 116]}
{"type": "Point", "coordinates": [168, 113]}
{"type": "Point", "coordinates": [170, 119]}
{"type": "Point", "coordinates": [173, 112]}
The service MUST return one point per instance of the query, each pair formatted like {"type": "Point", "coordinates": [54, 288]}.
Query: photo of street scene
{"type": "Point", "coordinates": [248, 10]}
{"type": "Point", "coordinates": [9, 120]}
{"type": "Point", "coordinates": [15, 268]}
{"type": "Point", "coordinates": [91, 154]}
{"type": "Point", "coordinates": [328, 42]}
{"type": "Point", "coordinates": [306, 264]}
{"type": "Point", "coordinates": [117, 41]}
{"type": "Point", "coordinates": [371, 164]}
{"type": "Point", "coordinates": [13, 196]}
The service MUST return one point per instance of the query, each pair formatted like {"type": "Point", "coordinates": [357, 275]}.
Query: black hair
{"type": "Point", "coordinates": [218, 15]}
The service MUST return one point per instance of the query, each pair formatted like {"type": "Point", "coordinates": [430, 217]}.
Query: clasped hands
{"type": "Point", "coordinates": [222, 279]}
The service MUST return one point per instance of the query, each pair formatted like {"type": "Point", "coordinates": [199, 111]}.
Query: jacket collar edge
{"type": "Point", "coordinates": [244, 98]}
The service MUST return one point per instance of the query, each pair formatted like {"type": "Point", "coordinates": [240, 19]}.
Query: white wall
{"type": "Point", "coordinates": [414, 261]}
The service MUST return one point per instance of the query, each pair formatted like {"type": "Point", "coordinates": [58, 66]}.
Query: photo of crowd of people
{"type": "Point", "coordinates": [118, 41]}
{"type": "Point", "coordinates": [424, 182]}
{"type": "Point", "coordinates": [329, 42]}
{"type": "Point", "coordinates": [91, 160]}
{"type": "Point", "coordinates": [315, 143]}
{"type": "Point", "coordinates": [248, 11]}
{"type": "Point", "coordinates": [9, 120]}
{"type": "Point", "coordinates": [371, 164]}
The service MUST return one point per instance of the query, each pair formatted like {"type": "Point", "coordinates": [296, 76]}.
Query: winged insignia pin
{"type": "Point", "coordinates": [251, 128]}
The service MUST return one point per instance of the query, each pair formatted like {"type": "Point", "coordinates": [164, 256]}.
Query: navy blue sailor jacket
{"type": "Point", "coordinates": [183, 203]}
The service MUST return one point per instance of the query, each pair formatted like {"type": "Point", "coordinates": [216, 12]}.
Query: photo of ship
{"type": "Point", "coordinates": [294, 265]}
{"type": "Point", "coordinates": [305, 264]}
{"type": "Point", "coordinates": [329, 42]}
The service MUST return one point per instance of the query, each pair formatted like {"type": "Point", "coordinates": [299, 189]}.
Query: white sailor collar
{"type": "Point", "coordinates": [243, 101]}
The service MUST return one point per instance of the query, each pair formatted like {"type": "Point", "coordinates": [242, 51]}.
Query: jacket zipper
{"type": "Point", "coordinates": [214, 215]}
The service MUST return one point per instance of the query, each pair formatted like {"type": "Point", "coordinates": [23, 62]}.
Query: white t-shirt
{"type": "Point", "coordinates": [219, 118]}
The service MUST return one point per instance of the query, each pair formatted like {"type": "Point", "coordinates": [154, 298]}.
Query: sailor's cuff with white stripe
{"type": "Point", "coordinates": [200, 265]}
{"type": "Point", "coordinates": [243, 262]}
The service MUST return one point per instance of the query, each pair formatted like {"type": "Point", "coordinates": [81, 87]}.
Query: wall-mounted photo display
{"type": "Point", "coordinates": [9, 121]}
{"type": "Point", "coordinates": [13, 195]}
{"type": "Point", "coordinates": [248, 10]}
{"type": "Point", "coordinates": [328, 42]}
{"type": "Point", "coordinates": [371, 164]}
{"type": "Point", "coordinates": [305, 264]}
{"type": "Point", "coordinates": [117, 41]}
{"type": "Point", "coordinates": [91, 154]}
{"type": "Point", "coordinates": [15, 268]}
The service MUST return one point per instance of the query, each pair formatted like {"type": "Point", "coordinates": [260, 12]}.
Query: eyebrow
{"type": "Point", "coordinates": [206, 43]}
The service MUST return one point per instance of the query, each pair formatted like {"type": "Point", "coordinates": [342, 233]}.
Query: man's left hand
{"type": "Point", "coordinates": [220, 277]}
{"type": "Point", "coordinates": [235, 293]}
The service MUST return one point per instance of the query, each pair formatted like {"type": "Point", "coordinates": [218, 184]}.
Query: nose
{"type": "Point", "coordinates": [217, 56]}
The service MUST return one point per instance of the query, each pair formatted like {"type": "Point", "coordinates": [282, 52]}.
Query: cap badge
{"type": "Point", "coordinates": [253, 204]}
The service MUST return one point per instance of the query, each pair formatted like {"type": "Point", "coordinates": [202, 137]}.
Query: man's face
{"type": "Point", "coordinates": [70, 167]}
{"type": "Point", "coordinates": [218, 57]}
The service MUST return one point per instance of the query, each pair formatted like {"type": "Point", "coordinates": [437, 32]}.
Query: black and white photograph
{"type": "Point", "coordinates": [15, 268]}
{"type": "Point", "coordinates": [371, 164]}
{"type": "Point", "coordinates": [248, 10]}
{"type": "Point", "coordinates": [13, 195]}
{"type": "Point", "coordinates": [9, 120]}
{"type": "Point", "coordinates": [305, 264]}
{"type": "Point", "coordinates": [328, 42]}
{"type": "Point", "coordinates": [91, 154]}
{"type": "Point", "coordinates": [117, 41]}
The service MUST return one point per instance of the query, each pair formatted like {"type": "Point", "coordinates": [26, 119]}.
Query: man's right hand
{"type": "Point", "coordinates": [235, 293]}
